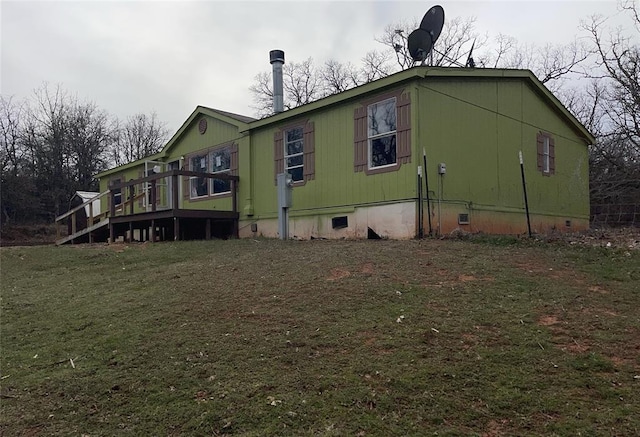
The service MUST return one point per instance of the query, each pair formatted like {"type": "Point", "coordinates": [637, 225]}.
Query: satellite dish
{"type": "Point", "coordinates": [432, 22]}
{"type": "Point", "coordinates": [419, 44]}
{"type": "Point", "coordinates": [421, 41]}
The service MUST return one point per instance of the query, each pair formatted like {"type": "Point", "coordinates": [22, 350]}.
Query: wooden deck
{"type": "Point", "coordinates": [160, 223]}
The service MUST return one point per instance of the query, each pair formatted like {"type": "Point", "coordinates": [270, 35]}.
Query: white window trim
{"type": "Point", "coordinates": [285, 143]}
{"type": "Point", "coordinates": [385, 134]}
{"type": "Point", "coordinates": [546, 155]}
{"type": "Point", "coordinates": [192, 178]}
{"type": "Point", "coordinates": [228, 171]}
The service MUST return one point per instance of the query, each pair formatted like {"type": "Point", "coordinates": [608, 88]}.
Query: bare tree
{"type": "Point", "coordinates": [11, 114]}
{"type": "Point", "coordinates": [615, 158]}
{"type": "Point", "coordinates": [262, 94]}
{"type": "Point", "coordinates": [89, 135]}
{"type": "Point", "coordinates": [140, 136]}
{"type": "Point", "coordinates": [18, 197]}
{"type": "Point", "coordinates": [304, 83]}
{"type": "Point", "coordinates": [451, 48]}
{"type": "Point", "coordinates": [337, 77]}
{"type": "Point", "coordinates": [375, 65]}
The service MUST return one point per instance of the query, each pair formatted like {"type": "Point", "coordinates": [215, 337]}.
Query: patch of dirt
{"type": "Point", "coordinates": [548, 320]}
{"type": "Point", "coordinates": [367, 269]}
{"type": "Point", "coordinates": [618, 238]}
{"type": "Point", "coordinates": [338, 273]}
{"type": "Point", "coordinates": [496, 428]}
{"type": "Point", "coordinates": [28, 235]}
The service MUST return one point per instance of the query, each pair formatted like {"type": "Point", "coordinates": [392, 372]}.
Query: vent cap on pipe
{"type": "Point", "coordinates": [276, 56]}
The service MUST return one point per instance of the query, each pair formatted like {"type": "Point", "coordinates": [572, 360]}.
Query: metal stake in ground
{"type": "Point", "coordinates": [524, 189]}
{"type": "Point", "coordinates": [426, 186]}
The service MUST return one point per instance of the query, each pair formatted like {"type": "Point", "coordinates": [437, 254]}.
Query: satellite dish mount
{"type": "Point", "coordinates": [421, 41]}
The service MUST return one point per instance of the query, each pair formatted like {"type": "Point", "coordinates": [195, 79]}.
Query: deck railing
{"type": "Point", "coordinates": [174, 193]}
{"type": "Point", "coordinates": [127, 207]}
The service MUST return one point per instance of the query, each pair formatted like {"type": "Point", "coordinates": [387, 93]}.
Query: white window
{"type": "Point", "coordinates": [220, 163]}
{"type": "Point", "coordinates": [199, 185]}
{"type": "Point", "coordinates": [294, 153]}
{"type": "Point", "coordinates": [117, 193]}
{"type": "Point", "coordinates": [546, 155]}
{"type": "Point", "coordinates": [382, 133]}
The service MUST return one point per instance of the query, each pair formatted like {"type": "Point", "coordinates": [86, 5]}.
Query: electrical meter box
{"type": "Point", "coordinates": [442, 168]}
{"type": "Point", "coordinates": [285, 184]}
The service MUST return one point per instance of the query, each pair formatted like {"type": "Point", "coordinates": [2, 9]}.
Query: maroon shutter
{"type": "Point", "coordinates": [140, 189]}
{"type": "Point", "coordinates": [278, 154]}
{"type": "Point", "coordinates": [309, 148]}
{"type": "Point", "coordinates": [540, 151]}
{"type": "Point", "coordinates": [360, 147]}
{"type": "Point", "coordinates": [233, 150]}
{"type": "Point", "coordinates": [185, 180]}
{"type": "Point", "coordinates": [403, 128]}
{"type": "Point", "coordinates": [552, 155]}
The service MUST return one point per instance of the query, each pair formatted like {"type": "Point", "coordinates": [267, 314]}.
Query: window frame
{"type": "Point", "coordinates": [308, 150]}
{"type": "Point", "coordinates": [545, 144]}
{"type": "Point", "coordinates": [546, 157]}
{"type": "Point", "coordinates": [211, 155]}
{"type": "Point", "coordinates": [117, 192]}
{"type": "Point", "coordinates": [192, 179]}
{"type": "Point", "coordinates": [287, 156]}
{"type": "Point", "coordinates": [391, 134]}
{"type": "Point", "coordinates": [403, 133]}
{"type": "Point", "coordinates": [209, 152]}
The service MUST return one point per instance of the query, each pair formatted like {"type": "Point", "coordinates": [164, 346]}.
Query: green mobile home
{"type": "Point", "coordinates": [354, 159]}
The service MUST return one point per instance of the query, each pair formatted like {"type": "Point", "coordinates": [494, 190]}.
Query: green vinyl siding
{"type": "Point", "coordinates": [336, 183]}
{"type": "Point", "coordinates": [218, 132]}
{"type": "Point", "coordinates": [474, 121]}
{"type": "Point", "coordinates": [477, 127]}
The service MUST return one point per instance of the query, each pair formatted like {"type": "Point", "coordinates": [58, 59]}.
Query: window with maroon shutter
{"type": "Point", "coordinates": [140, 189]}
{"type": "Point", "coordinates": [309, 151]}
{"type": "Point", "coordinates": [294, 151]}
{"type": "Point", "coordinates": [360, 160]}
{"type": "Point", "coordinates": [382, 133]}
{"type": "Point", "coordinates": [185, 180]}
{"type": "Point", "coordinates": [403, 129]}
{"type": "Point", "coordinates": [117, 192]}
{"type": "Point", "coordinates": [546, 160]}
{"type": "Point", "coordinates": [220, 162]}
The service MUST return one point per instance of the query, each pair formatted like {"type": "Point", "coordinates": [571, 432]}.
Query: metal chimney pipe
{"type": "Point", "coordinates": [276, 57]}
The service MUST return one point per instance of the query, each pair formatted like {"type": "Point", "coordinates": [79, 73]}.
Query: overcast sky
{"type": "Point", "coordinates": [130, 57]}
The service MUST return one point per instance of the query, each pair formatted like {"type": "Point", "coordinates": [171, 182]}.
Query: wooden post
{"type": "Point", "coordinates": [131, 197]}
{"type": "Point", "coordinates": [174, 194]}
{"type": "Point", "coordinates": [207, 231]}
{"type": "Point", "coordinates": [153, 227]}
{"type": "Point", "coordinates": [234, 195]}
{"type": "Point", "coordinates": [112, 204]}
{"type": "Point", "coordinates": [73, 225]}
{"type": "Point", "coordinates": [153, 195]}
{"type": "Point", "coordinates": [176, 229]}
{"type": "Point", "coordinates": [90, 221]}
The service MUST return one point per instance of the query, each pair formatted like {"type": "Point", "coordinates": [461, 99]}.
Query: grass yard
{"type": "Point", "coordinates": [497, 337]}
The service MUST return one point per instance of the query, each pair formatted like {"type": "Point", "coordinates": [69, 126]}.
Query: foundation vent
{"type": "Point", "coordinates": [463, 219]}
{"type": "Point", "coordinates": [339, 222]}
